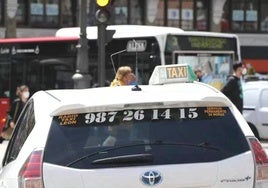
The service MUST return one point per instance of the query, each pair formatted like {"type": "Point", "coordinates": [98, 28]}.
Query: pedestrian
{"type": "Point", "coordinates": [15, 109]}
{"type": "Point", "coordinates": [132, 79]}
{"type": "Point", "coordinates": [124, 76]}
{"type": "Point", "coordinates": [233, 88]}
{"type": "Point", "coordinates": [23, 94]}
{"type": "Point", "coordinates": [198, 74]}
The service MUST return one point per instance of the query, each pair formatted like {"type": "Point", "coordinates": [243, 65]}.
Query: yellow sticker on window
{"type": "Point", "coordinates": [70, 119]}
{"type": "Point", "coordinates": [215, 111]}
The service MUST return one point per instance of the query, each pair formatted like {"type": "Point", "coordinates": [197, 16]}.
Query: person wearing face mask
{"type": "Point", "coordinates": [18, 104]}
{"type": "Point", "coordinates": [15, 110]}
{"type": "Point", "coordinates": [233, 88]}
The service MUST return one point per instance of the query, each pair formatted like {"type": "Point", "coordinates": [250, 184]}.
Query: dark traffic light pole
{"type": "Point", "coordinates": [101, 54]}
{"type": "Point", "coordinates": [102, 17]}
{"type": "Point", "coordinates": [81, 77]}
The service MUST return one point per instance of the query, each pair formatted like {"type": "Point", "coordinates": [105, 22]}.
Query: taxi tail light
{"type": "Point", "coordinates": [261, 162]}
{"type": "Point", "coordinates": [30, 175]}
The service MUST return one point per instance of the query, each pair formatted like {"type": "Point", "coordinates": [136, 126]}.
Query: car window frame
{"type": "Point", "coordinates": [20, 133]}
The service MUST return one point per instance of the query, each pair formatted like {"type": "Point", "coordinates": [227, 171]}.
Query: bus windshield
{"type": "Point", "coordinates": [212, 54]}
{"type": "Point", "coordinates": [201, 41]}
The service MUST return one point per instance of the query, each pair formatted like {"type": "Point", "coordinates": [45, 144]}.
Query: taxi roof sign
{"type": "Point", "coordinates": [176, 73]}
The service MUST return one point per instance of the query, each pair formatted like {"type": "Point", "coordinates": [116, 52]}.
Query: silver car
{"type": "Point", "coordinates": [256, 107]}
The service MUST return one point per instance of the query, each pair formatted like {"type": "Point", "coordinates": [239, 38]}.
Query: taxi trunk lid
{"type": "Point", "coordinates": [225, 173]}
{"type": "Point", "coordinates": [186, 147]}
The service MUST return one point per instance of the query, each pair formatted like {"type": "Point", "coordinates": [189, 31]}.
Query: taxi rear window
{"type": "Point", "coordinates": [136, 137]}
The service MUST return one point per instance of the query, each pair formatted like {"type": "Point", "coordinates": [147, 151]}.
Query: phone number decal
{"type": "Point", "coordinates": [138, 115]}
{"type": "Point", "coordinates": [115, 117]}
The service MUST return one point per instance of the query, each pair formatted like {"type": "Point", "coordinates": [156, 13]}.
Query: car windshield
{"type": "Point", "coordinates": [144, 137]}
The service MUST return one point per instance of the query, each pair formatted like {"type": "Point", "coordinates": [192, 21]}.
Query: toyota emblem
{"type": "Point", "coordinates": [151, 178]}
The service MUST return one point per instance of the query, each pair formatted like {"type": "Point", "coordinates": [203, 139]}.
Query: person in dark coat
{"type": "Point", "coordinates": [233, 88]}
{"type": "Point", "coordinates": [18, 104]}
{"type": "Point", "coordinates": [14, 111]}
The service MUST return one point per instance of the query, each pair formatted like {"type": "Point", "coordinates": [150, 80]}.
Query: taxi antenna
{"type": "Point", "coordinates": [136, 61]}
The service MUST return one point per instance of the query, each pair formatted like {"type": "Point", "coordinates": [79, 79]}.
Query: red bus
{"type": "Point", "coordinates": [41, 63]}
{"type": "Point", "coordinates": [50, 62]}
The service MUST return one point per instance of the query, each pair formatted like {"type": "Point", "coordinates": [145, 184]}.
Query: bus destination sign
{"type": "Point", "coordinates": [136, 45]}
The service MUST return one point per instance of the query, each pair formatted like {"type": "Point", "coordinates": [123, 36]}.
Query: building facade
{"type": "Point", "coordinates": [247, 18]}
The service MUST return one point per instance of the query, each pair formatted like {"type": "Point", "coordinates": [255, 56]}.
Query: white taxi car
{"type": "Point", "coordinates": [173, 133]}
{"type": "Point", "coordinates": [255, 109]}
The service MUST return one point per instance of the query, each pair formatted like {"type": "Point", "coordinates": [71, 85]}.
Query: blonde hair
{"type": "Point", "coordinates": [122, 71]}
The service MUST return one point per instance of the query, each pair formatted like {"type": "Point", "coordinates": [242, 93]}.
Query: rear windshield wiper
{"type": "Point", "coordinates": [105, 151]}
{"type": "Point", "coordinates": [204, 145]}
{"type": "Point", "coordinates": [135, 158]}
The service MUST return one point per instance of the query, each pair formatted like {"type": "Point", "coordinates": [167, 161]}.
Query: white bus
{"type": "Point", "coordinates": [148, 46]}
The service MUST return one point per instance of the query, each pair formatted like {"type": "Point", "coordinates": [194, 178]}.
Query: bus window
{"type": "Point", "coordinates": [4, 77]}
{"type": "Point", "coordinates": [212, 53]}
{"type": "Point", "coordinates": [142, 65]}
{"type": "Point", "coordinates": [60, 70]}
{"type": "Point", "coordinates": [172, 43]}
{"type": "Point", "coordinates": [215, 66]}
{"type": "Point", "coordinates": [41, 63]}
{"type": "Point", "coordinates": [143, 60]}
{"type": "Point", "coordinates": [4, 91]}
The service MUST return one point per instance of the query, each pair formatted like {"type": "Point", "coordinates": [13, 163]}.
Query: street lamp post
{"type": "Point", "coordinates": [81, 77]}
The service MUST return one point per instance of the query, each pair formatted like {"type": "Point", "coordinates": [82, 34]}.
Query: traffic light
{"type": "Point", "coordinates": [103, 13]}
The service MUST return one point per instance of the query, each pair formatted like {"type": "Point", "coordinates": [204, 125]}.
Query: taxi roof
{"type": "Point", "coordinates": [117, 98]}
{"type": "Point", "coordinates": [170, 86]}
